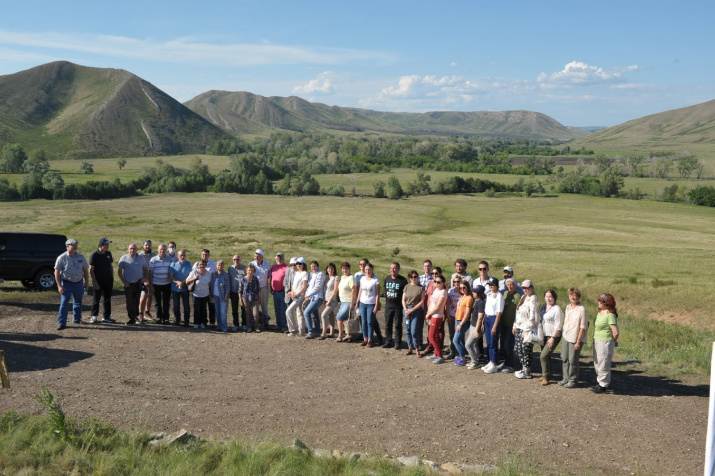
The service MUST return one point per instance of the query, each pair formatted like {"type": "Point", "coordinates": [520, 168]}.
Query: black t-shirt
{"type": "Point", "coordinates": [102, 266]}
{"type": "Point", "coordinates": [393, 291]}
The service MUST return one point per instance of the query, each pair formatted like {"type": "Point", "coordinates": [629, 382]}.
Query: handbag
{"type": "Point", "coordinates": [353, 323]}
{"type": "Point", "coordinates": [190, 287]}
{"type": "Point", "coordinates": [535, 336]}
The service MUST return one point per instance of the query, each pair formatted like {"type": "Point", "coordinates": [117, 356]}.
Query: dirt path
{"type": "Point", "coordinates": [343, 396]}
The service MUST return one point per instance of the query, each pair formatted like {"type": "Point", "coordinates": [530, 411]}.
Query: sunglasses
{"type": "Point", "coordinates": [483, 269]}
{"type": "Point", "coordinates": [438, 282]}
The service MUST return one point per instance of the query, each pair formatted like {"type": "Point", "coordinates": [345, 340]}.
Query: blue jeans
{"type": "Point", "coordinates": [73, 291]}
{"type": "Point", "coordinates": [221, 312]}
{"type": "Point", "coordinates": [459, 339]}
{"type": "Point", "coordinates": [279, 307]}
{"type": "Point", "coordinates": [343, 312]}
{"type": "Point", "coordinates": [492, 340]}
{"type": "Point", "coordinates": [367, 316]}
{"type": "Point", "coordinates": [412, 328]}
{"type": "Point", "coordinates": [311, 312]}
{"type": "Point", "coordinates": [179, 300]}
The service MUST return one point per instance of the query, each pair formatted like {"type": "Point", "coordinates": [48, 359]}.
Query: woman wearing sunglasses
{"type": "Point", "coordinates": [605, 340]}
{"type": "Point", "coordinates": [461, 321]}
{"type": "Point", "coordinates": [435, 314]}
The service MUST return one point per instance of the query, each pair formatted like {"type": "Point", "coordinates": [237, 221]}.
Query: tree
{"type": "Point", "coordinates": [687, 165]}
{"type": "Point", "coordinates": [52, 181]}
{"type": "Point", "coordinates": [602, 163]}
{"type": "Point", "coordinates": [661, 167]}
{"type": "Point", "coordinates": [378, 189]}
{"type": "Point", "coordinates": [611, 182]}
{"type": "Point", "coordinates": [121, 163]}
{"type": "Point", "coordinates": [13, 156]}
{"type": "Point", "coordinates": [37, 163]}
{"type": "Point", "coordinates": [394, 189]}
{"type": "Point", "coordinates": [86, 167]}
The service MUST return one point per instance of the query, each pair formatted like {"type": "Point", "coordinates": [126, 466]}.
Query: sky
{"type": "Point", "coordinates": [582, 63]}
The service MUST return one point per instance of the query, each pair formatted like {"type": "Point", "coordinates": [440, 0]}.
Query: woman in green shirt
{"type": "Point", "coordinates": [605, 340]}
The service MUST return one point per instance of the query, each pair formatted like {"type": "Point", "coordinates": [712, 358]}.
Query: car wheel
{"type": "Point", "coordinates": [27, 283]}
{"type": "Point", "coordinates": [45, 280]}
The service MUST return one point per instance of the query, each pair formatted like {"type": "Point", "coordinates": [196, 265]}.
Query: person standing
{"type": "Point", "coordinates": [493, 309]}
{"type": "Point", "coordinates": [605, 341]}
{"type": "Point", "coordinates": [436, 313]}
{"type": "Point", "coordinates": [249, 295]}
{"type": "Point", "coordinates": [263, 273]}
{"type": "Point", "coordinates": [146, 294]}
{"type": "Point", "coordinates": [202, 290]}
{"type": "Point", "coordinates": [294, 313]}
{"type": "Point", "coordinates": [464, 312]}
{"type": "Point", "coordinates": [508, 317]}
{"type": "Point", "coordinates": [178, 273]}
{"type": "Point", "coordinates": [425, 281]}
{"type": "Point", "coordinates": [221, 288]}
{"type": "Point", "coordinates": [171, 251]}
{"type": "Point", "coordinates": [210, 269]}
{"type": "Point", "coordinates": [483, 278]}
{"type": "Point", "coordinates": [327, 317]}
{"type": "Point", "coordinates": [133, 274]}
{"type": "Point", "coordinates": [368, 303]}
{"type": "Point", "coordinates": [315, 294]}
{"type": "Point", "coordinates": [72, 278]}
{"type": "Point", "coordinates": [395, 285]}
{"type": "Point", "coordinates": [278, 290]}
{"type": "Point", "coordinates": [460, 271]}
{"type": "Point", "coordinates": [102, 272]}
{"type": "Point", "coordinates": [160, 283]}
{"type": "Point", "coordinates": [552, 318]}
{"type": "Point", "coordinates": [574, 336]}
{"type": "Point", "coordinates": [508, 272]}
{"type": "Point", "coordinates": [237, 272]}
{"type": "Point", "coordinates": [527, 319]}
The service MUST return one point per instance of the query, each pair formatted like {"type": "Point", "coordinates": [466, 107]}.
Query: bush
{"type": "Point", "coordinates": [704, 196]}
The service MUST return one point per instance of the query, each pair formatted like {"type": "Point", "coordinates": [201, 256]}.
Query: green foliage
{"type": "Point", "coordinates": [378, 189]}
{"type": "Point", "coordinates": [335, 190]}
{"type": "Point", "coordinates": [302, 184]}
{"type": "Point", "coordinates": [13, 157]}
{"type": "Point", "coordinates": [673, 194]}
{"type": "Point", "coordinates": [121, 162]}
{"type": "Point", "coordinates": [8, 193]}
{"type": "Point", "coordinates": [59, 422]}
{"type": "Point", "coordinates": [394, 189]}
{"type": "Point", "coordinates": [86, 167]}
{"type": "Point", "coordinates": [419, 186]}
{"type": "Point", "coordinates": [687, 165]}
{"type": "Point", "coordinates": [704, 196]}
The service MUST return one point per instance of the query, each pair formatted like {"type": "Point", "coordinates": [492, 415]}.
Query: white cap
{"type": "Point", "coordinates": [300, 260]}
{"type": "Point", "coordinates": [293, 260]}
{"type": "Point", "coordinates": [259, 251]}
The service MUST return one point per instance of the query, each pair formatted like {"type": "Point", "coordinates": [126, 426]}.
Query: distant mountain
{"type": "Point", "coordinates": [247, 113]}
{"type": "Point", "coordinates": [93, 112]}
{"type": "Point", "coordinates": [693, 125]}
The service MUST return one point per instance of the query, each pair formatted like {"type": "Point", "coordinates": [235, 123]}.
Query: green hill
{"type": "Point", "coordinates": [79, 111]}
{"type": "Point", "coordinates": [678, 128]}
{"type": "Point", "coordinates": [248, 113]}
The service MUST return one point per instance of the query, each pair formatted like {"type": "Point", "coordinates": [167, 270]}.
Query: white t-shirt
{"type": "Point", "coordinates": [298, 278]}
{"type": "Point", "coordinates": [369, 289]}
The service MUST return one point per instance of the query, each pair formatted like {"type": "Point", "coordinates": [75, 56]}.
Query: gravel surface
{"type": "Point", "coordinates": [346, 397]}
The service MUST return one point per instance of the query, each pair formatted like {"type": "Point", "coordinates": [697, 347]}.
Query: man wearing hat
{"type": "Point", "coordinates": [72, 277]}
{"type": "Point", "coordinates": [102, 272]}
{"type": "Point", "coordinates": [237, 272]}
{"type": "Point", "coordinates": [263, 273]}
{"type": "Point", "coordinates": [509, 274]}
{"type": "Point", "coordinates": [278, 272]}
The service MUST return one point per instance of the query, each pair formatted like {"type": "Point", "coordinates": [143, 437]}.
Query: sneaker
{"type": "Point", "coordinates": [432, 357]}
{"type": "Point", "coordinates": [93, 320]}
{"type": "Point", "coordinates": [310, 335]}
{"type": "Point", "coordinates": [196, 326]}
{"type": "Point", "coordinates": [459, 362]}
{"type": "Point", "coordinates": [519, 374]}
{"type": "Point", "coordinates": [234, 328]}
{"type": "Point", "coordinates": [501, 366]}
{"type": "Point", "coordinates": [507, 370]}
{"type": "Point", "coordinates": [438, 360]}
{"type": "Point", "coordinates": [109, 320]}
{"type": "Point", "coordinates": [598, 389]}
{"type": "Point", "coordinates": [563, 382]}
{"type": "Point", "coordinates": [527, 375]}
{"type": "Point", "coordinates": [450, 356]}
{"type": "Point", "coordinates": [202, 326]}
{"type": "Point", "coordinates": [471, 366]}
{"type": "Point", "coordinates": [569, 384]}
{"type": "Point", "coordinates": [490, 369]}
{"type": "Point", "coordinates": [245, 328]}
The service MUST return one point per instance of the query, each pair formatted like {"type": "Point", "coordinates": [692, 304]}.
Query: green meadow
{"type": "Point", "coordinates": [654, 257]}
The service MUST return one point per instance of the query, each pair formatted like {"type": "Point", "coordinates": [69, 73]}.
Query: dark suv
{"type": "Point", "coordinates": [30, 258]}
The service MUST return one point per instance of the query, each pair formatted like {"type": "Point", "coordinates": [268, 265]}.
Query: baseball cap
{"type": "Point", "coordinates": [259, 251]}
{"type": "Point", "coordinates": [71, 241]}
{"type": "Point", "coordinates": [104, 241]}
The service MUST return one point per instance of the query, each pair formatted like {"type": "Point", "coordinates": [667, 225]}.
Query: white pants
{"type": "Point", "coordinates": [296, 324]}
{"type": "Point", "coordinates": [602, 356]}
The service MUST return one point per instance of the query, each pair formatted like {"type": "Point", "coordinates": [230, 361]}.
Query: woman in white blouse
{"type": "Point", "coordinates": [527, 318]}
{"type": "Point", "coordinates": [552, 318]}
{"type": "Point", "coordinates": [327, 317]}
{"type": "Point", "coordinates": [368, 303]}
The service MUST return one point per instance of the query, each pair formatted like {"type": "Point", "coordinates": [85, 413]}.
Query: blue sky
{"type": "Point", "coordinates": [582, 63]}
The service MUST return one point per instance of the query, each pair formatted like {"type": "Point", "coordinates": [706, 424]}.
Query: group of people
{"type": "Point", "coordinates": [498, 321]}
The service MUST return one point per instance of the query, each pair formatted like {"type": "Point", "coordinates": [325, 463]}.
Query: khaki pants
{"type": "Point", "coordinates": [602, 356]}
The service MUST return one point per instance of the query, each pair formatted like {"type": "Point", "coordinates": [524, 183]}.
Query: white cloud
{"type": "Point", "coordinates": [187, 50]}
{"type": "Point", "coordinates": [323, 84]}
{"type": "Point", "coordinates": [453, 64]}
{"type": "Point", "coordinates": [580, 73]}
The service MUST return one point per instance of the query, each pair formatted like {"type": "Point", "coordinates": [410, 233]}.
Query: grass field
{"type": "Point", "coordinates": [654, 257]}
